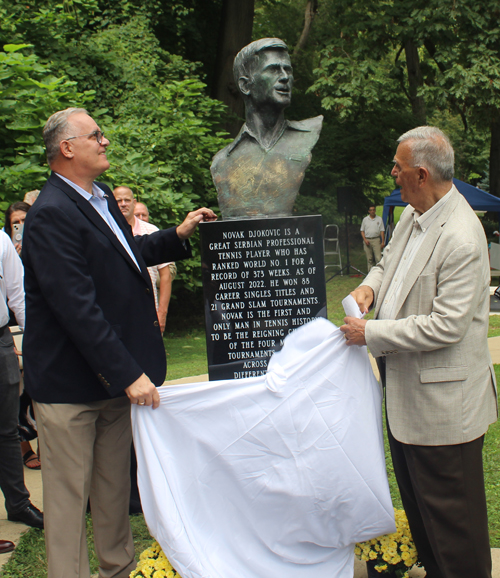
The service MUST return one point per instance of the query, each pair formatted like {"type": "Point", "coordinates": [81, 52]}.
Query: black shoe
{"type": "Point", "coordinates": [31, 516]}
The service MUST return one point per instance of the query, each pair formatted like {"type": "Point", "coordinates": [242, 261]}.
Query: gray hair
{"type": "Point", "coordinates": [55, 129]}
{"type": "Point", "coordinates": [247, 56]}
{"type": "Point", "coordinates": [431, 149]}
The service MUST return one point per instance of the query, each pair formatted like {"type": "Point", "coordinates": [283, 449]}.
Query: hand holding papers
{"type": "Point", "coordinates": [352, 308]}
{"type": "Point", "coordinates": [354, 328]}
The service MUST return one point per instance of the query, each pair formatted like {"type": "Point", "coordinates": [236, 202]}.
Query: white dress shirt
{"type": "Point", "coordinates": [11, 282]}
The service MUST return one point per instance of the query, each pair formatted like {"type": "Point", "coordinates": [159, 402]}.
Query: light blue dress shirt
{"type": "Point", "coordinates": [98, 200]}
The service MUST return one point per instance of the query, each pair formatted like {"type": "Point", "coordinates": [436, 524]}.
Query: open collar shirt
{"type": "Point", "coordinates": [99, 201]}
{"type": "Point", "coordinates": [421, 225]}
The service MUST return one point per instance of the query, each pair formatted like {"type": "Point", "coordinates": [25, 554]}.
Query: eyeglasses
{"type": "Point", "coordinates": [99, 135]}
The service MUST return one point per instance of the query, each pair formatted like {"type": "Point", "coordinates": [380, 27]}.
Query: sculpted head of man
{"type": "Point", "coordinates": [76, 146]}
{"type": "Point", "coordinates": [126, 202]}
{"type": "Point", "coordinates": [263, 73]}
{"type": "Point", "coordinates": [423, 166]}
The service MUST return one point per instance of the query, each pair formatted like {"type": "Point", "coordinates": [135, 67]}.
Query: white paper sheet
{"type": "Point", "coordinates": [351, 308]}
{"type": "Point", "coordinates": [275, 476]}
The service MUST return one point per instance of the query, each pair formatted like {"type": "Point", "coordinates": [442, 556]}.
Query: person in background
{"type": "Point", "coordinates": [372, 231]}
{"type": "Point", "coordinates": [15, 215]}
{"type": "Point", "coordinates": [17, 498]}
{"type": "Point", "coordinates": [6, 546]}
{"type": "Point", "coordinates": [127, 203]}
{"type": "Point", "coordinates": [31, 196]}
{"type": "Point", "coordinates": [141, 212]}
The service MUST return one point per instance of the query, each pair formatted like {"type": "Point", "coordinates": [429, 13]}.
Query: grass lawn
{"type": "Point", "coordinates": [186, 354]}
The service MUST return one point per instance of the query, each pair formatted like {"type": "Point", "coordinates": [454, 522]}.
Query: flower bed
{"type": "Point", "coordinates": [393, 553]}
{"type": "Point", "coordinates": [154, 564]}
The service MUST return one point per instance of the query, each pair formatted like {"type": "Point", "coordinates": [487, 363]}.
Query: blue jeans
{"type": "Point", "coordinates": [11, 460]}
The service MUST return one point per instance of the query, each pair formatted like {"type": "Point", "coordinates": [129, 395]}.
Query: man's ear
{"type": "Point", "coordinates": [423, 175]}
{"type": "Point", "coordinates": [66, 149]}
{"type": "Point", "coordinates": [244, 84]}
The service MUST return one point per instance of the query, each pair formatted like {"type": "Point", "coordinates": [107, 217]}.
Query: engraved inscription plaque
{"type": "Point", "coordinates": [262, 279]}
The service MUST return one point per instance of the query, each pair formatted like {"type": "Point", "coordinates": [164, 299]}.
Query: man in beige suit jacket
{"type": "Point", "coordinates": [431, 298]}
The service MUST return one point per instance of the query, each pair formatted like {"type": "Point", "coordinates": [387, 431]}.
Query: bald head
{"type": "Point", "coordinates": [126, 202]}
{"type": "Point", "coordinates": [141, 212]}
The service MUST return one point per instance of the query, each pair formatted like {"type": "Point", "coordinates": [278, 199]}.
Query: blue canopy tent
{"type": "Point", "coordinates": [478, 199]}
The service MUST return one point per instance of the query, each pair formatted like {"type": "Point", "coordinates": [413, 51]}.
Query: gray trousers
{"type": "Point", "coordinates": [11, 461]}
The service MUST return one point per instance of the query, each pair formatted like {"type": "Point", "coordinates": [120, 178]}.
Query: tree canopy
{"type": "Point", "coordinates": [154, 73]}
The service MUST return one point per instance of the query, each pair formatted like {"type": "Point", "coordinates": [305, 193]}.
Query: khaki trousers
{"type": "Point", "coordinates": [373, 252]}
{"type": "Point", "coordinates": [85, 451]}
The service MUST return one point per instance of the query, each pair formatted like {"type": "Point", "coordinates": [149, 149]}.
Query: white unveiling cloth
{"type": "Point", "coordinates": [269, 477]}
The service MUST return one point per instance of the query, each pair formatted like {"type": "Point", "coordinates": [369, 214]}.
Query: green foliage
{"type": "Point", "coordinates": [363, 73]}
{"type": "Point", "coordinates": [152, 105]}
{"type": "Point", "coordinates": [29, 93]}
{"type": "Point", "coordinates": [162, 148]}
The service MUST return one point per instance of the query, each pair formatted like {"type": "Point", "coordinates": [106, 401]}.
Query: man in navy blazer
{"type": "Point", "coordinates": [92, 344]}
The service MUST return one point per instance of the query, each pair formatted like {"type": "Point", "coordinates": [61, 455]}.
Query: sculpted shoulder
{"type": "Point", "coordinates": [313, 124]}
{"type": "Point", "coordinates": [219, 157]}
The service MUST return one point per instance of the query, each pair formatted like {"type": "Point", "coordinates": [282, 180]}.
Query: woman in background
{"type": "Point", "coordinates": [15, 215]}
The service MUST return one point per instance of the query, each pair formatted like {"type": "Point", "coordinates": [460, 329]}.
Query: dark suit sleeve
{"type": "Point", "coordinates": [57, 257]}
{"type": "Point", "coordinates": [157, 248]}
{"type": "Point", "coordinates": [162, 247]}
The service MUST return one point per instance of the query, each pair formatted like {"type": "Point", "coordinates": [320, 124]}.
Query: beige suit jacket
{"type": "Point", "coordinates": [440, 383]}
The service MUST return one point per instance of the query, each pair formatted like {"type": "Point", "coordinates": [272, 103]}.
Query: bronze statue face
{"type": "Point", "coordinates": [272, 79]}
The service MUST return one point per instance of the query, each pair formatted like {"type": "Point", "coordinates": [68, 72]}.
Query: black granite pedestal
{"type": "Point", "coordinates": [262, 278]}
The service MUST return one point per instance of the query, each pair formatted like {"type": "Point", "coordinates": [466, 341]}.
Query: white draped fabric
{"type": "Point", "coordinates": [269, 477]}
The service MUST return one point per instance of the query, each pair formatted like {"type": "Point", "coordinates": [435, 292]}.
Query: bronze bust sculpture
{"type": "Point", "coordinates": [259, 174]}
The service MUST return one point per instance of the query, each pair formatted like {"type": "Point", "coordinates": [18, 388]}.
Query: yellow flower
{"type": "Point", "coordinates": [396, 549]}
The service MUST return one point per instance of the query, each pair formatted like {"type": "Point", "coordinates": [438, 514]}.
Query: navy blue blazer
{"type": "Point", "coordinates": [91, 324]}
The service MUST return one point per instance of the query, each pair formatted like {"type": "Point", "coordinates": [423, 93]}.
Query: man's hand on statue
{"type": "Point", "coordinates": [363, 295]}
{"type": "Point", "coordinates": [188, 226]}
{"type": "Point", "coordinates": [354, 331]}
{"type": "Point", "coordinates": [143, 392]}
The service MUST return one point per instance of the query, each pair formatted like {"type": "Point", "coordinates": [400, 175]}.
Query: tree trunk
{"type": "Point", "coordinates": [415, 81]}
{"type": "Point", "coordinates": [495, 158]}
{"type": "Point", "coordinates": [311, 10]}
{"type": "Point", "coordinates": [235, 33]}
